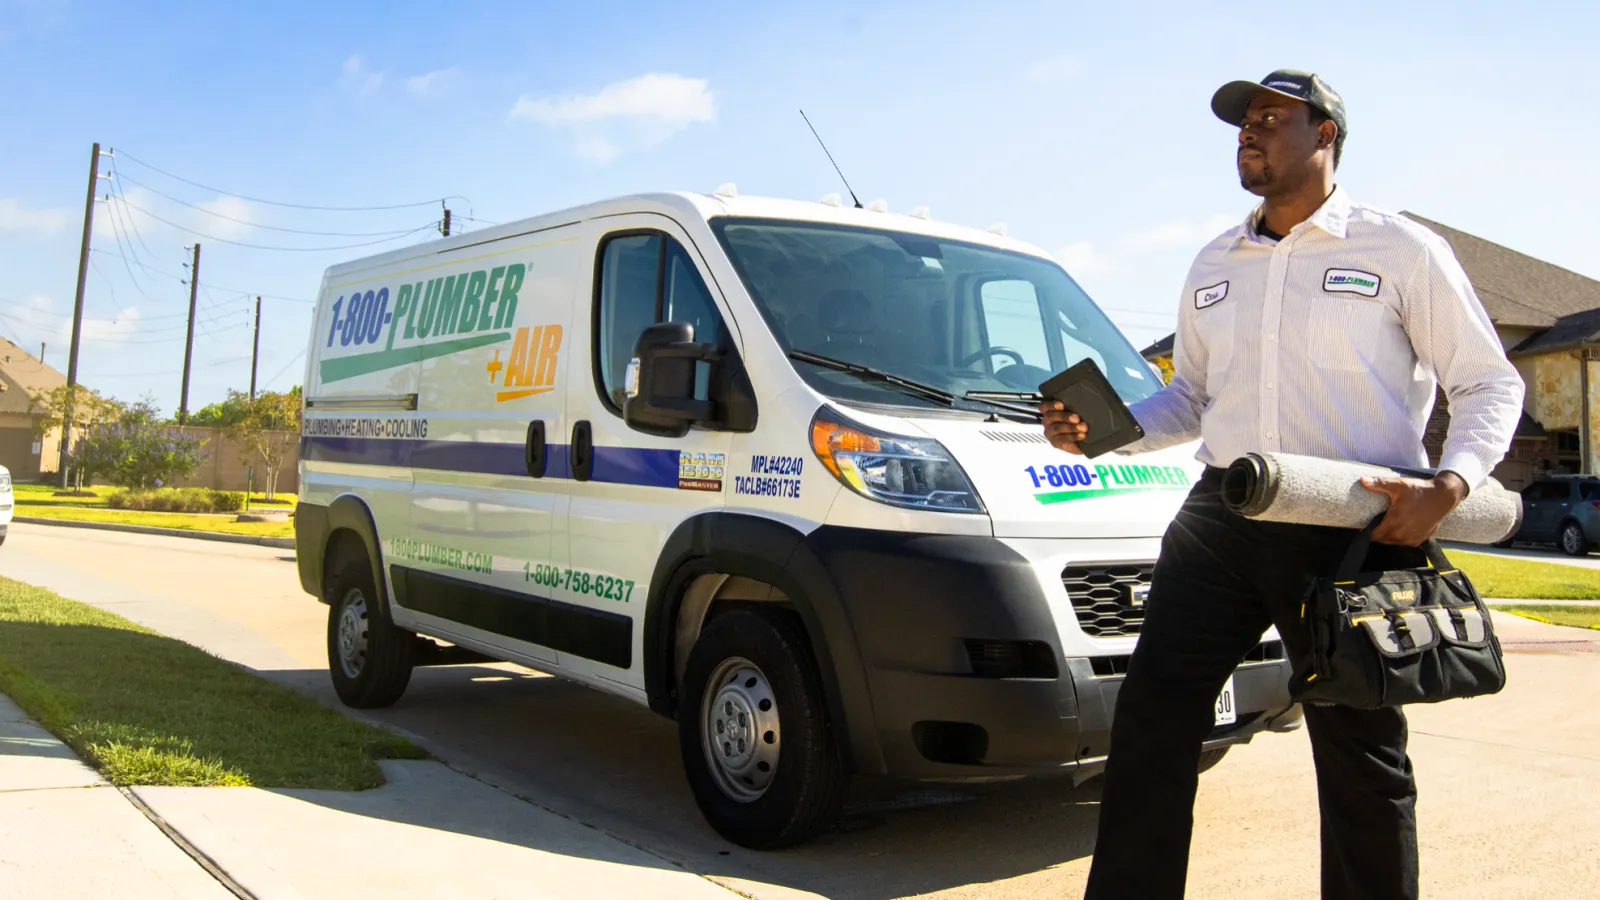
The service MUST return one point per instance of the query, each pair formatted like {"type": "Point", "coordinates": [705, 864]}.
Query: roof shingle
{"type": "Point", "coordinates": [1515, 288]}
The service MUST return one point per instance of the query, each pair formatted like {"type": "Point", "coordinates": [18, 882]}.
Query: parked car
{"type": "Point", "coordinates": [1563, 510]}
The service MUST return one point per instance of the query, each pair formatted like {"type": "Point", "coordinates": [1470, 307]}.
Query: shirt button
{"type": "Point", "coordinates": [1269, 385]}
{"type": "Point", "coordinates": [1269, 435]}
{"type": "Point", "coordinates": [1272, 337]}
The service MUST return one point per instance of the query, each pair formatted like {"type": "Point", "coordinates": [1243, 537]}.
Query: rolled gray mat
{"type": "Point", "coordinates": [1284, 487]}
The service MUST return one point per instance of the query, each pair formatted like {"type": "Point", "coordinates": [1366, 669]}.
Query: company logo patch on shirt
{"type": "Point", "coordinates": [1210, 296]}
{"type": "Point", "coordinates": [1351, 281]}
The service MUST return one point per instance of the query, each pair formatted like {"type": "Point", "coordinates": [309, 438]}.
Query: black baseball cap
{"type": "Point", "coordinates": [1232, 99]}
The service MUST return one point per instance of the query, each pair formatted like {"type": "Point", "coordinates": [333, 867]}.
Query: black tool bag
{"type": "Point", "coordinates": [1390, 638]}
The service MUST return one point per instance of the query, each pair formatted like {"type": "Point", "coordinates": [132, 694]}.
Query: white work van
{"type": "Point", "coordinates": [772, 468]}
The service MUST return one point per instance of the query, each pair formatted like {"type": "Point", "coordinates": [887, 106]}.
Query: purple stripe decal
{"type": "Point", "coordinates": [642, 466]}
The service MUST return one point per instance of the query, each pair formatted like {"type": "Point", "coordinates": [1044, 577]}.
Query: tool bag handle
{"type": "Point", "coordinates": [1350, 567]}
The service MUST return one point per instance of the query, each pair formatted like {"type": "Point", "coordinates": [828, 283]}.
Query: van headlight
{"type": "Point", "coordinates": [917, 473]}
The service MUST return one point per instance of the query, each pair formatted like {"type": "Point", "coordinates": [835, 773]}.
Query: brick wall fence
{"type": "Point", "coordinates": [224, 470]}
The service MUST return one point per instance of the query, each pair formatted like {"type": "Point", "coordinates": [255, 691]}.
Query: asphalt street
{"type": "Point", "coordinates": [1509, 784]}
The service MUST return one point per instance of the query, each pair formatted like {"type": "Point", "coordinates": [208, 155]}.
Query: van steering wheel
{"type": "Point", "coordinates": [991, 351]}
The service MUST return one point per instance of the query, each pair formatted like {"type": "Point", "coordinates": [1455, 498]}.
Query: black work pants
{"type": "Point", "coordinates": [1220, 581]}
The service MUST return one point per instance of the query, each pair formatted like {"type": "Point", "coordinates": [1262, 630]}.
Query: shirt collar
{"type": "Point", "coordinates": [1333, 217]}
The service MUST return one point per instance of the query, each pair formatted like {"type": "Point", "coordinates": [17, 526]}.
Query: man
{"type": "Point", "coordinates": [1317, 327]}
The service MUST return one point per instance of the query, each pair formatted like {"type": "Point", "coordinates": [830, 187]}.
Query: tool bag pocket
{"type": "Point", "coordinates": [1390, 638]}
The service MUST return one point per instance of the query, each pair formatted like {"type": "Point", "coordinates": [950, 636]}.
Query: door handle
{"type": "Point", "coordinates": [535, 453]}
{"type": "Point", "coordinates": [582, 452]}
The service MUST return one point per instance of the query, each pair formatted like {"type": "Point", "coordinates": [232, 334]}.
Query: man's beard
{"type": "Point", "coordinates": [1255, 181]}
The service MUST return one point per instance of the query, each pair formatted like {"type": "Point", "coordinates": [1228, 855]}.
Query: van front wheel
{"type": "Point", "coordinates": [761, 760]}
{"type": "Point", "coordinates": [369, 658]}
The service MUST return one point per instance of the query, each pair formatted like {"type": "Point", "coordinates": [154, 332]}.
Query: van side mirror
{"type": "Point", "coordinates": [660, 381]}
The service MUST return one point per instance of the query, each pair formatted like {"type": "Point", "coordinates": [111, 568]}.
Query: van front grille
{"type": "Point", "coordinates": [1108, 600]}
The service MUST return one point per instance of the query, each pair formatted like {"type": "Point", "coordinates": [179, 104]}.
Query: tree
{"type": "Point", "coordinates": [269, 429]}
{"type": "Point", "coordinates": [229, 412]}
{"type": "Point", "coordinates": [1164, 363]}
{"type": "Point", "coordinates": [137, 450]}
{"type": "Point", "coordinates": [89, 409]}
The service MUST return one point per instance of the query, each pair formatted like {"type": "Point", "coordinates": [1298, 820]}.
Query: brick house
{"type": "Point", "coordinates": [1548, 321]}
{"type": "Point", "coordinates": [26, 454]}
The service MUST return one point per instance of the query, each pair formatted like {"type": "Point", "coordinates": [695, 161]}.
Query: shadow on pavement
{"type": "Point", "coordinates": [614, 765]}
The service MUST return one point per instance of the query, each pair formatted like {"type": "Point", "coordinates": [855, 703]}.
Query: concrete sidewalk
{"type": "Point", "coordinates": [65, 833]}
{"type": "Point", "coordinates": [430, 832]}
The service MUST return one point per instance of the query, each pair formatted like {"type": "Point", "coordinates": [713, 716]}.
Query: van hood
{"type": "Point", "coordinates": [1031, 489]}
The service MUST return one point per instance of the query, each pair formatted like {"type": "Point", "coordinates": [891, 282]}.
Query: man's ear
{"type": "Point", "coordinates": [1327, 133]}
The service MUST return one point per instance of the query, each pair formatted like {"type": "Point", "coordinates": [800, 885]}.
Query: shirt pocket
{"type": "Point", "coordinates": [1215, 326]}
{"type": "Point", "coordinates": [1343, 332]}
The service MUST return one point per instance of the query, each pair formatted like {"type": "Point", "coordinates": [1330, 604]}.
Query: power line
{"type": "Point", "coordinates": [222, 240]}
{"type": "Point", "coordinates": [116, 231]}
{"type": "Point", "coordinates": [138, 161]}
{"type": "Point", "coordinates": [151, 269]}
{"type": "Point", "coordinates": [110, 288]}
{"type": "Point", "coordinates": [210, 365]}
{"type": "Point", "coordinates": [274, 379]}
{"type": "Point", "coordinates": [218, 215]}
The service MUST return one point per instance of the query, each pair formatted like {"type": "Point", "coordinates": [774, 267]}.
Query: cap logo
{"type": "Point", "coordinates": [1288, 84]}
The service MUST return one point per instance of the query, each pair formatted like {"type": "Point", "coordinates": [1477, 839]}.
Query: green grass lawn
{"type": "Point", "coordinates": [1572, 616]}
{"type": "Point", "coordinates": [223, 523]}
{"type": "Point", "coordinates": [149, 710]}
{"type": "Point", "coordinates": [1520, 579]}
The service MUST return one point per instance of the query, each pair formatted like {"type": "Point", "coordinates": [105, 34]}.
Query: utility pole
{"type": "Point", "coordinates": [255, 350]}
{"type": "Point", "coordinates": [188, 346]}
{"type": "Point", "coordinates": [77, 313]}
{"type": "Point", "coordinates": [444, 226]}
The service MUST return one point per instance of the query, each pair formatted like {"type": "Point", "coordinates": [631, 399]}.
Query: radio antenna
{"type": "Point", "coordinates": [830, 159]}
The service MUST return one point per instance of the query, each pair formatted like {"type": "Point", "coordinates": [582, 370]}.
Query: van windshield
{"type": "Point", "coordinates": [956, 316]}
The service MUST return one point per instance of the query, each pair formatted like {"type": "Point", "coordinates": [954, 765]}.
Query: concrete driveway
{"type": "Point", "coordinates": [1509, 783]}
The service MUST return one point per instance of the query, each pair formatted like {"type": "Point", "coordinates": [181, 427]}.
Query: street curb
{"type": "Point", "coordinates": [284, 543]}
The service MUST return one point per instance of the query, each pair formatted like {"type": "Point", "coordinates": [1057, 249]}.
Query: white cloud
{"type": "Point", "coordinates": [358, 79]}
{"type": "Point", "coordinates": [1055, 68]}
{"type": "Point", "coordinates": [1083, 258]}
{"type": "Point", "coordinates": [1179, 234]}
{"type": "Point", "coordinates": [107, 331]}
{"type": "Point", "coordinates": [636, 114]}
{"type": "Point", "coordinates": [431, 83]}
{"type": "Point", "coordinates": [233, 216]}
{"type": "Point", "coordinates": [14, 217]}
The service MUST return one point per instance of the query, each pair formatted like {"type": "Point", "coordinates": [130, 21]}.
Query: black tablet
{"type": "Point", "coordinates": [1084, 389]}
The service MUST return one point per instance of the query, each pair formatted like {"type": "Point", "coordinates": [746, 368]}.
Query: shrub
{"type": "Point", "coordinates": [227, 501]}
{"type": "Point", "coordinates": [183, 500]}
{"type": "Point", "coordinates": [136, 450]}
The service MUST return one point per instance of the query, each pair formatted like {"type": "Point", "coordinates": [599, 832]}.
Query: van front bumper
{"type": "Point", "coordinates": [964, 666]}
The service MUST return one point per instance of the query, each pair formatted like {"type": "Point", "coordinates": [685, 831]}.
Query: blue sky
{"type": "Point", "coordinates": [1084, 127]}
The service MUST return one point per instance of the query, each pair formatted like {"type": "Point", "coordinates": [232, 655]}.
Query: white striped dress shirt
{"type": "Point", "coordinates": [1329, 343]}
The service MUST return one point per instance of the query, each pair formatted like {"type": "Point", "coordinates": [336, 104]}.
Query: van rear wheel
{"type": "Point", "coordinates": [369, 659]}
{"type": "Point", "coordinates": [753, 732]}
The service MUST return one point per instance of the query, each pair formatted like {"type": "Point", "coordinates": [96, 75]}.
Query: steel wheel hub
{"type": "Point", "coordinates": [353, 634]}
{"type": "Point", "coordinates": [1570, 538]}
{"type": "Point", "coordinates": [739, 729]}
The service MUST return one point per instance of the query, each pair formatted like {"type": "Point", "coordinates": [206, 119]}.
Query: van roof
{"type": "Point", "coordinates": [686, 205]}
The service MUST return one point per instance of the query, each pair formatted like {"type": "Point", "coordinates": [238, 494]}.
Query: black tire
{"type": "Point", "coordinates": [378, 674]}
{"type": "Point", "coordinates": [1209, 758]}
{"type": "Point", "coordinates": [1573, 541]}
{"type": "Point", "coordinates": [802, 790]}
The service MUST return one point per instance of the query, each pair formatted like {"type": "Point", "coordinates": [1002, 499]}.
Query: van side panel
{"type": "Point", "coordinates": [359, 428]}
{"type": "Point", "coordinates": [481, 523]}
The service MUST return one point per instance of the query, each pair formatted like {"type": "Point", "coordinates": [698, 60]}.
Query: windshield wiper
{"type": "Point", "coordinates": [926, 391]}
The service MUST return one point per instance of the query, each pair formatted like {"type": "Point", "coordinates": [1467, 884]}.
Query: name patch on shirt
{"type": "Point", "coordinates": [1210, 296]}
{"type": "Point", "coordinates": [1351, 281]}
